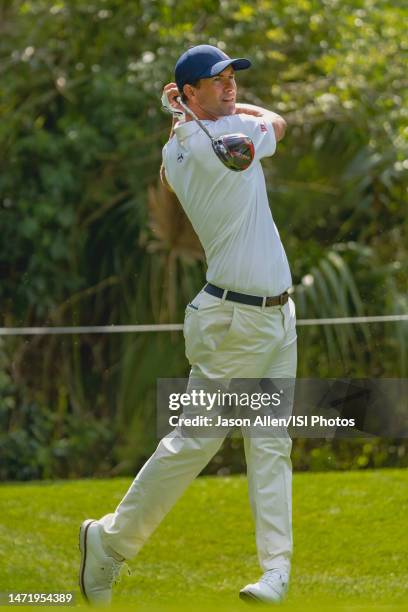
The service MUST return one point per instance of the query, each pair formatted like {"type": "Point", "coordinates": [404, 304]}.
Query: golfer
{"type": "Point", "coordinates": [240, 326]}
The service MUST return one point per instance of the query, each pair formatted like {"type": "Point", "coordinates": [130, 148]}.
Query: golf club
{"type": "Point", "coordinates": [236, 151]}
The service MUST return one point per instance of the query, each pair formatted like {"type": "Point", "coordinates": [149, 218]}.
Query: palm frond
{"type": "Point", "coordinates": [329, 291]}
{"type": "Point", "coordinates": [174, 250]}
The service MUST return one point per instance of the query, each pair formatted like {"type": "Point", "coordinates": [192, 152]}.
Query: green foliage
{"type": "Point", "coordinates": [81, 133]}
{"type": "Point", "coordinates": [348, 281]}
{"type": "Point", "coordinates": [353, 454]}
{"type": "Point", "coordinates": [38, 441]}
{"type": "Point", "coordinates": [43, 445]}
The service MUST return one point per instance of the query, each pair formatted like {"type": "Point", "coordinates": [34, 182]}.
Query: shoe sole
{"type": "Point", "coordinates": [83, 531]}
{"type": "Point", "coordinates": [249, 598]}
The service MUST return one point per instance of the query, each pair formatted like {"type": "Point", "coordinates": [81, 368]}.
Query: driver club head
{"type": "Point", "coordinates": [236, 151]}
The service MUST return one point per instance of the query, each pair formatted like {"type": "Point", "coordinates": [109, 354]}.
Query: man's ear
{"type": "Point", "coordinates": [188, 91]}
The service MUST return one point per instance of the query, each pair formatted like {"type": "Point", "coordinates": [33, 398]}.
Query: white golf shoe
{"type": "Point", "coordinates": [98, 571]}
{"type": "Point", "coordinates": [270, 589]}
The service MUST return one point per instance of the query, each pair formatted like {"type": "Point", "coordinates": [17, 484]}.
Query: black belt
{"type": "Point", "coordinates": [243, 298]}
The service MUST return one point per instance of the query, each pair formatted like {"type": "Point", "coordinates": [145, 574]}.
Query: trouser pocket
{"type": "Point", "coordinates": [207, 329]}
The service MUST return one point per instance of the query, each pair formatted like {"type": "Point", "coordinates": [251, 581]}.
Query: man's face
{"type": "Point", "coordinates": [217, 95]}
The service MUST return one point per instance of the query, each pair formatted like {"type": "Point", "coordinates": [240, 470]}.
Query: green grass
{"type": "Point", "coordinates": [349, 531]}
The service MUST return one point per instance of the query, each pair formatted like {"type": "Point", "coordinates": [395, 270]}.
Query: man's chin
{"type": "Point", "coordinates": [228, 108]}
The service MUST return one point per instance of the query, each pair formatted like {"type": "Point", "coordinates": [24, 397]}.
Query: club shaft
{"type": "Point", "coordinates": [194, 116]}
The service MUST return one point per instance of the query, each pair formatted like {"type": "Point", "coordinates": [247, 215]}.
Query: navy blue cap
{"type": "Point", "coordinates": [203, 62]}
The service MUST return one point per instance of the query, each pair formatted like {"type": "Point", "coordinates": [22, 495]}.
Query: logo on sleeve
{"type": "Point", "coordinates": [263, 127]}
{"type": "Point", "coordinates": [180, 158]}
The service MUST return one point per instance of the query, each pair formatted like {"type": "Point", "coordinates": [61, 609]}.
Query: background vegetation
{"type": "Point", "coordinates": [89, 237]}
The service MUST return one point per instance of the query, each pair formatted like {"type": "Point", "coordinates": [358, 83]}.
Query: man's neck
{"type": "Point", "coordinates": [201, 113]}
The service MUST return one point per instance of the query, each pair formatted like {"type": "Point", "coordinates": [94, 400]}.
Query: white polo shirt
{"type": "Point", "coordinates": [229, 210]}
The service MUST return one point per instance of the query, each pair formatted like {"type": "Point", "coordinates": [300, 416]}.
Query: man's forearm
{"type": "Point", "coordinates": [173, 123]}
{"type": "Point", "coordinates": [279, 124]}
{"type": "Point", "coordinates": [162, 170]}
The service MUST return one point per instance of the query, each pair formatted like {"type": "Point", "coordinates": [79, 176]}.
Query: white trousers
{"type": "Point", "coordinates": [224, 340]}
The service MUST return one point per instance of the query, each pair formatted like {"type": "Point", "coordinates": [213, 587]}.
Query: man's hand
{"type": "Point", "coordinates": [278, 122]}
{"type": "Point", "coordinates": [169, 95]}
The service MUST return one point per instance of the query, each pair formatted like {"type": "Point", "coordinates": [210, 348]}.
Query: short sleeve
{"type": "Point", "coordinates": [259, 129]}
